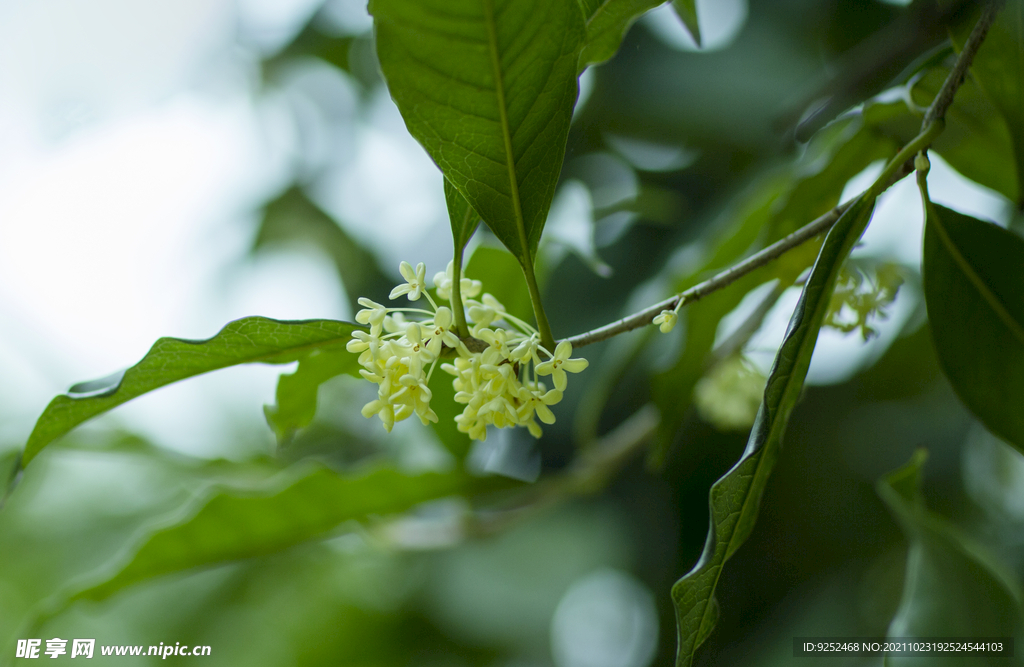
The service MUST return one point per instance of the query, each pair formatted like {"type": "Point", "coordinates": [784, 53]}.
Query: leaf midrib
{"type": "Point", "coordinates": [597, 11]}
{"type": "Point", "coordinates": [506, 134]}
{"type": "Point", "coordinates": [979, 284]}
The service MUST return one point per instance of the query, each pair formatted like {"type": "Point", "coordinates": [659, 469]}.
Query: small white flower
{"type": "Point", "coordinates": [373, 314]}
{"type": "Point", "coordinates": [415, 281]}
{"type": "Point", "coordinates": [441, 332]}
{"type": "Point", "coordinates": [559, 363]}
{"type": "Point", "coordinates": [666, 320]}
{"type": "Point", "coordinates": [527, 350]}
{"type": "Point", "coordinates": [443, 281]}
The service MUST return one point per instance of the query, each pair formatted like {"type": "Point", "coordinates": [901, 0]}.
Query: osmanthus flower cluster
{"type": "Point", "coordinates": [496, 370]}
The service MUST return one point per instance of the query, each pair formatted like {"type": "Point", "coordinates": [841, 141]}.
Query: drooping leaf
{"type": "Point", "coordinates": [607, 23]}
{"type": "Point", "coordinates": [976, 141]}
{"type": "Point", "coordinates": [687, 11]}
{"type": "Point", "coordinates": [736, 497]}
{"type": "Point", "coordinates": [296, 393]}
{"type": "Point", "coordinates": [230, 524]}
{"type": "Point", "coordinates": [502, 277]}
{"type": "Point", "coordinates": [974, 290]}
{"type": "Point", "coordinates": [488, 88]}
{"type": "Point", "coordinates": [998, 68]}
{"type": "Point", "coordinates": [248, 340]}
{"type": "Point", "coordinates": [293, 217]}
{"type": "Point", "coordinates": [463, 218]}
{"type": "Point", "coordinates": [953, 587]}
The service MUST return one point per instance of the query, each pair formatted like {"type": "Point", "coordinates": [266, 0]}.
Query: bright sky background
{"type": "Point", "coordinates": [133, 160]}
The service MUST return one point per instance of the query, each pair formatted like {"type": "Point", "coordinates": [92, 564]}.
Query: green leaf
{"type": "Point", "coordinates": [974, 290]}
{"type": "Point", "coordinates": [687, 11]}
{"type": "Point", "coordinates": [248, 340]}
{"type": "Point", "coordinates": [488, 87]}
{"type": "Point", "coordinates": [231, 524]}
{"type": "Point", "coordinates": [976, 141]}
{"type": "Point", "coordinates": [293, 218]}
{"type": "Point", "coordinates": [736, 497]}
{"type": "Point", "coordinates": [607, 23]}
{"type": "Point", "coordinates": [463, 218]}
{"type": "Point", "coordinates": [953, 587]}
{"type": "Point", "coordinates": [998, 68]}
{"type": "Point", "coordinates": [296, 392]}
{"type": "Point", "coordinates": [501, 276]}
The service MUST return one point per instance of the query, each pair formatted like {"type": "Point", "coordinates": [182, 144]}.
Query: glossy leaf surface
{"type": "Point", "coordinates": [488, 88]}
{"type": "Point", "coordinates": [974, 289]}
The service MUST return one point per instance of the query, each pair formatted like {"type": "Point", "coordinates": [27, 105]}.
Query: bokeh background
{"type": "Point", "coordinates": [166, 167]}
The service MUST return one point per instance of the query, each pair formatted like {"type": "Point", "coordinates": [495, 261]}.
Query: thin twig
{"type": "Point", "coordinates": [944, 98]}
{"type": "Point", "coordinates": [930, 128]}
{"type": "Point", "coordinates": [723, 279]}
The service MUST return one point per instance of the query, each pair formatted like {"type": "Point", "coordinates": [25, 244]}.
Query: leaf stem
{"type": "Point", "coordinates": [899, 167]}
{"type": "Point", "coordinates": [543, 328]}
{"type": "Point", "coordinates": [526, 258]}
{"type": "Point", "coordinates": [461, 328]}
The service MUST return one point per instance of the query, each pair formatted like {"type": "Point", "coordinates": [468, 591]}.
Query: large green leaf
{"type": "Point", "coordinates": [488, 87]}
{"type": "Point", "coordinates": [736, 497]}
{"type": "Point", "coordinates": [230, 524]}
{"type": "Point", "coordinates": [296, 393]}
{"type": "Point", "coordinates": [974, 290]}
{"type": "Point", "coordinates": [998, 68]}
{"type": "Point", "coordinates": [248, 340]}
{"type": "Point", "coordinates": [607, 23]}
{"type": "Point", "coordinates": [953, 587]}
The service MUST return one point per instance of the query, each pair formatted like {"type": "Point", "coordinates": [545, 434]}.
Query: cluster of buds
{"type": "Point", "coordinates": [497, 374]}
